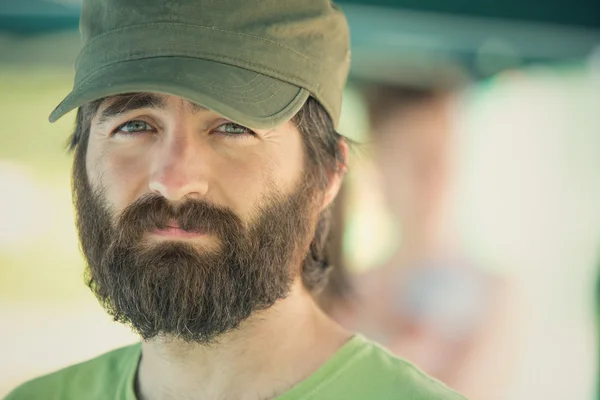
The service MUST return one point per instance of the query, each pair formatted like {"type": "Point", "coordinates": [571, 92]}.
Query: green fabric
{"type": "Point", "coordinates": [360, 370]}
{"type": "Point", "coordinates": [254, 61]}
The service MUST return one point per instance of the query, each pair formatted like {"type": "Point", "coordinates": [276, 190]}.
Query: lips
{"type": "Point", "coordinates": [174, 230]}
{"type": "Point", "coordinates": [173, 224]}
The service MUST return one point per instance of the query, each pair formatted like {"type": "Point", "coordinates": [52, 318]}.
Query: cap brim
{"type": "Point", "coordinates": [245, 97]}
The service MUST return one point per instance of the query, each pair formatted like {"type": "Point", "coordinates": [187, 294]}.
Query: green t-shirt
{"type": "Point", "coordinates": [360, 370]}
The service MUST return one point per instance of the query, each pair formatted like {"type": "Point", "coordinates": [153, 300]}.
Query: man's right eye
{"type": "Point", "coordinates": [134, 126]}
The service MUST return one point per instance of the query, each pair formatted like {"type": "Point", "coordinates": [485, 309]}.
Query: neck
{"type": "Point", "coordinates": [271, 352]}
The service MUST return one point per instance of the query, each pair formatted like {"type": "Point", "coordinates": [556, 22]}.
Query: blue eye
{"type": "Point", "coordinates": [134, 126]}
{"type": "Point", "coordinates": [233, 129]}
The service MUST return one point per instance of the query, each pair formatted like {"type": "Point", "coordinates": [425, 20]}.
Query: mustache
{"type": "Point", "coordinates": [152, 211]}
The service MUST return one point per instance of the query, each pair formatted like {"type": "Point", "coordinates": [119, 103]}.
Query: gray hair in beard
{"type": "Point", "coordinates": [182, 290]}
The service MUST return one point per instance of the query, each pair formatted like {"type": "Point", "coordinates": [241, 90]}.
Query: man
{"type": "Point", "coordinates": [205, 160]}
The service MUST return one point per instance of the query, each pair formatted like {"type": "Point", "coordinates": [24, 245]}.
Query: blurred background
{"type": "Point", "coordinates": [467, 235]}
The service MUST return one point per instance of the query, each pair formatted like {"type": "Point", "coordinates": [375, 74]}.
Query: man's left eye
{"type": "Point", "coordinates": [233, 129]}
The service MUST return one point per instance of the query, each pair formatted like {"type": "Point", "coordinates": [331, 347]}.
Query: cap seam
{"type": "Point", "coordinates": [301, 82]}
{"type": "Point", "coordinates": [236, 62]}
{"type": "Point", "coordinates": [209, 84]}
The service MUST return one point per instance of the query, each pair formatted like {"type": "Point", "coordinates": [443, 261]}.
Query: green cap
{"type": "Point", "coordinates": [253, 61]}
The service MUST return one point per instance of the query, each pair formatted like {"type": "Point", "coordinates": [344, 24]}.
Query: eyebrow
{"type": "Point", "coordinates": [133, 101]}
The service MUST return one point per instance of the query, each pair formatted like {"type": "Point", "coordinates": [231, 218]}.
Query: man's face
{"type": "Point", "coordinates": [189, 222]}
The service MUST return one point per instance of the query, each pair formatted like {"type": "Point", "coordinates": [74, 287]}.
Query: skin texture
{"type": "Point", "coordinates": [191, 158]}
{"type": "Point", "coordinates": [179, 152]}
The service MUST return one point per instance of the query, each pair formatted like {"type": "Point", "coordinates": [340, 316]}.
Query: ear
{"type": "Point", "coordinates": [336, 177]}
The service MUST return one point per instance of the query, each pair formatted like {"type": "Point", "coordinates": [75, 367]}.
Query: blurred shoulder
{"type": "Point", "coordinates": [102, 377]}
{"type": "Point", "coordinates": [387, 376]}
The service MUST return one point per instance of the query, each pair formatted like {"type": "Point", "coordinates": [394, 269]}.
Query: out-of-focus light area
{"type": "Point", "coordinates": [48, 318]}
{"type": "Point", "coordinates": [469, 223]}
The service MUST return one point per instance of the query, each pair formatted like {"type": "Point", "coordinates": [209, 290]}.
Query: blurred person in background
{"type": "Point", "coordinates": [203, 234]}
{"type": "Point", "coordinates": [430, 303]}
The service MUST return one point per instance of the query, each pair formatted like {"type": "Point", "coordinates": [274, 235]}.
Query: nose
{"type": "Point", "coordinates": [179, 169]}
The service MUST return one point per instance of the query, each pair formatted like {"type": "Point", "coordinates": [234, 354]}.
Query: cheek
{"type": "Point", "coordinates": [286, 161]}
{"type": "Point", "coordinates": [241, 184]}
{"type": "Point", "coordinates": [288, 167]}
{"type": "Point", "coordinates": [246, 180]}
{"type": "Point", "coordinates": [122, 176]}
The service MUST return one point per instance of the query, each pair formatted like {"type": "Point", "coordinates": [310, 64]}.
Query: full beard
{"type": "Point", "coordinates": [184, 290]}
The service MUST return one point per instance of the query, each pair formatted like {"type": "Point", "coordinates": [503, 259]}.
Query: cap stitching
{"type": "Point", "coordinates": [240, 94]}
{"type": "Point", "coordinates": [263, 100]}
{"type": "Point", "coordinates": [303, 83]}
{"type": "Point", "coordinates": [236, 62]}
{"type": "Point", "coordinates": [241, 88]}
{"type": "Point", "coordinates": [90, 76]}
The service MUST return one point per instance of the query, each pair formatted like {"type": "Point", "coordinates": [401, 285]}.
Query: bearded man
{"type": "Point", "coordinates": [206, 157]}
